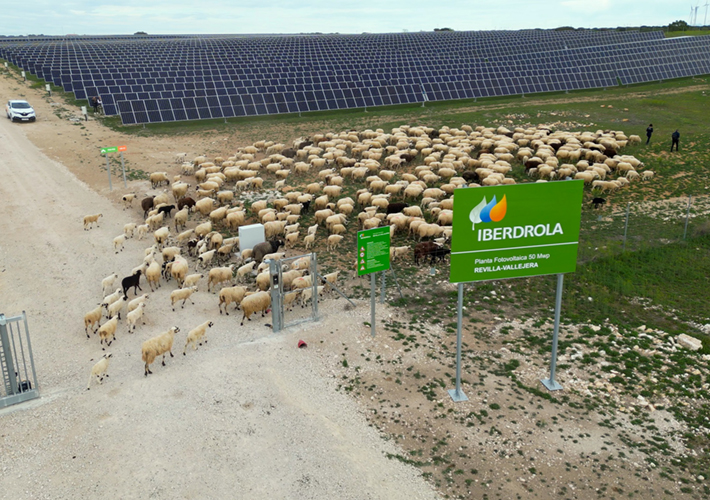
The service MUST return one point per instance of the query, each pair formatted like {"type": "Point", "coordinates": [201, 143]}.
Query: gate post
{"type": "Point", "coordinates": [276, 308]}
{"type": "Point", "coordinates": [6, 358]}
{"type": "Point", "coordinates": [314, 274]}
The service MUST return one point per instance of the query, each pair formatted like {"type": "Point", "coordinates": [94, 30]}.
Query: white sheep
{"type": "Point", "coordinates": [128, 200]}
{"type": "Point", "coordinates": [115, 308]}
{"type": "Point", "coordinates": [196, 335]}
{"type": "Point", "coordinates": [99, 370]}
{"type": "Point", "coordinates": [108, 282]}
{"type": "Point", "coordinates": [231, 294]}
{"type": "Point", "coordinates": [333, 241]}
{"type": "Point", "coordinates": [309, 240]}
{"type": "Point", "coordinates": [159, 345]}
{"type": "Point", "coordinates": [156, 178]}
{"type": "Point", "coordinates": [205, 258]}
{"type": "Point", "coordinates": [219, 275]}
{"type": "Point", "coordinates": [92, 318]}
{"type": "Point", "coordinates": [307, 294]}
{"type": "Point", "coordinates": [192, 280]}
{"type": "Point", "coordinates": [136, 302]}
{"type": "Point", "coordinates": [108, 330]}
{"type": "Point", "coordinates": [110, 299]}
{"type": "Point", "coordinates": [118, 242]}
{"type": "Point", "coordinates": [161, 236]}
{"type": "Point", "coordinates": [398, 251]}
{"type": "Point", "coordinates": [152, 275]}
{"type": "Point", "coordinates": [128, 229]}
{"type": "Point", "coordinates": [182, 294]}
{"type": "Point", "coordinates": [133, 317]}
{"type": "Point", "coordinates": [141, 231]}
{"type": "Point", "coordinates": [259, 301]}
{"type": "Point", "coordinates": [91, 219]}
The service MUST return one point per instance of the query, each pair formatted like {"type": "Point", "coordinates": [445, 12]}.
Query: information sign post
{"type": "Point", "coordinates": [106, 151]}
{"type": "Point", "coordinates": [515, 231]}
{"type": "Point", "coordinates": [373, 255]}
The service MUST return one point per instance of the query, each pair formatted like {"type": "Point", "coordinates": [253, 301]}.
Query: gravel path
{"type": "Point", "coordinates": [247, 415]}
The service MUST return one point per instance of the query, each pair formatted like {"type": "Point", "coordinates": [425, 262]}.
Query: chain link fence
{"type": "Point", "coordinates": [638, 225]}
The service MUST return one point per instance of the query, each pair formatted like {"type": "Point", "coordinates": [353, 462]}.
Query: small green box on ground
{"type": "Point", "coordinates": [373, 250]}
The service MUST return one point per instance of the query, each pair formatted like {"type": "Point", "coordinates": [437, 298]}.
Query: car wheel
{"type": "Point", "coordinates": [32, 119]}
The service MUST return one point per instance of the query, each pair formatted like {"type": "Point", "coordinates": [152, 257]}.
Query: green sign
{"type": "Point", "coordinates": [109, 150]}
{"type": "Point", "coordinates": [515, 230]}
{"type": "Point", "coordinates": [373, 250]}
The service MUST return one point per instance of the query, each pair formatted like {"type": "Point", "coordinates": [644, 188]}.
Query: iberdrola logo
{"type": "Point", "coordinates": [488, 212]}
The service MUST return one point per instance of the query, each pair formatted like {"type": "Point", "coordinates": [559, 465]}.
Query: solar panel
{"type": "Point", "coordinates": [149, 79]}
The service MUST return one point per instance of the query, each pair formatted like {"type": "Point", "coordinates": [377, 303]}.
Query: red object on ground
{"type": "Point", "coordinates": [302, 344]}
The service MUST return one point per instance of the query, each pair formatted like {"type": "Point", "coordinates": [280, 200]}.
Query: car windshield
{"type": "Point", "coordinates": [20, 105]}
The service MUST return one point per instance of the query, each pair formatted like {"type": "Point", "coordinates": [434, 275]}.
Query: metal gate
{"type": "Point", "coordinates": [279, 301]}
{"type": "Point", "coordinates": [19, 379]}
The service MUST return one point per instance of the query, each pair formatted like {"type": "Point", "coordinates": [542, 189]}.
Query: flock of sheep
{"type": "Point", "coordinates": [406, 180]}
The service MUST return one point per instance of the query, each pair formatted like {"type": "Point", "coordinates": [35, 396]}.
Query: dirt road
{"type": "Point", "coordinates": [248, 415]}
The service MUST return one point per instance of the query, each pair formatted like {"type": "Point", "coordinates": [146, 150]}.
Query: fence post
{"type": "Point", "coordinates": [276, 307]}
{"type": "Point", "coordinates": [687, 217]}
{"type": "Point", "coordinates": [6, 358]}
{"type": "Point", "coordinates": [626, 225]}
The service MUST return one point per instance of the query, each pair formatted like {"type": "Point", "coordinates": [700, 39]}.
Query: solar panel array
{"type": "Point", "coordinates": [150, 79]}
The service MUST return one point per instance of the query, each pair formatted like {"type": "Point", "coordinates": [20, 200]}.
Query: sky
{"type": "Point", "coordinates": [309, 16]}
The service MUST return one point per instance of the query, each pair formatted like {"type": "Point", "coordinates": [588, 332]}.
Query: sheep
{"type": "Point", "coordinates": [647, 175]}
{"type": "Point", "coordinates": [179, 190]}
{"type": "Point", "coordinates": [333, 241]}
{"type": "Point", "coordinates": [307, 294]}
{"type": "Point", "coordinates": [93, 319]}
{"type": "Point", "coordinates": [128, 229]}
{"type": "Point", "coordinates": [289, 298]}
{"type": "Point", "coordinates": [128, 200]}
{"type": "Point", "coordinates": [191, 280]}
{"type": "Point", "coordinates": [309, 240]}
{"type": "Point", "coordinates": [302, 282]}
{"type": "Point", "coordinates": [302, 263]}
{"type": "Point", "coordinates": [156, 178]}
{"type": "Point", "coordinates": [205, 258]}
{"type": "Point", "coordinates": [108, 282]}
{"type": "Point", "coordinates": [165, 209]}
{"type": "Point", "coordinates": [110, 299]}
{"type": "Point", "coordinates": [182, 294]}
{"type": "Point", "coordinates": [91, 219]}
{"type": "Point", "coordinates": [132, 282]}
{"type": "Point", "coordinates": [115, 308]}
{"type": "Point", "coordinates": [267, 247]}
{"type": "Point", "coordinates": [291, 239]}
{"type": "Point", "coordinates": [141, 231]}
{"type": "Point", "coordinates": [99, 370]}
{"type": "Point", "coordinates": [219, 275]}
{"type": "Point", "coordinates": [231, 294]}
{"type": "Point", "coordinates": [156, 220]}
{"type": "Point", "coordinates": [133, 317]}
{"type": "Point", "coordinates": [107, 330]}
{"type": "Point", "coordinates": [159, 345]}
{"type": "Point", "coordinates": [398, 251]}
{"type": "Point", "coordinates": [161, 236]}
{"type": "Point", "coordinates": [195, 335]}
{"type": "Point", "coordinates": [178, 270]}
{"type": "Point", "coordinates": [259, 301]}
{"type": "Point", "coordinates": [330, 278]}
{"type": "Point", "coordinates": [136, 302]}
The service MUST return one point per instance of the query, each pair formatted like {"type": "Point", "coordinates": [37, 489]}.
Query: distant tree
{"type": "Point", "coordinates": [443, 29]}
{"type": "Point", "coordinates": [678, 26]}
{"type": "Point", "coordinates": [564, 28]}
{"type": "Point", "coordinates": [140, 33]}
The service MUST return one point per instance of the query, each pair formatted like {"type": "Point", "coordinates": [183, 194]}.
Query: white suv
{"type": "Point", "coordinates": [20, 110]}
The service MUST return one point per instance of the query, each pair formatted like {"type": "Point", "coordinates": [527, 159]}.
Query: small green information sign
{"type": "Point", "coordinates": [373, 250]}
{"type": "Point", "coordinates": [109, 150]}
{"type": "Point", "coordinates": [513, 231]}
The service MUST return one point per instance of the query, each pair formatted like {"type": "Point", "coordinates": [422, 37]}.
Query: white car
{"type": "Point", "coordinates": [20, 110]}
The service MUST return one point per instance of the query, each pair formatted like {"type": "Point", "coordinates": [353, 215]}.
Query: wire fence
{"type": "Point", "coordinates": [640, 225]}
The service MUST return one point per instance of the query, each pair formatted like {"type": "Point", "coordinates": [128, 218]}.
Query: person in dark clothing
{"type": "Point", "coordinates": [95, 104]}
{"type": "Point", "coordinates": [649, 131]}
{"type": "Point", "coordinates": [675, 140]}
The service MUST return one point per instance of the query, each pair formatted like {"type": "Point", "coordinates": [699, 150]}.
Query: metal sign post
{"type": "Point", "coordinates": [515, 231]}
{"type": "Point", "coordinates": [550, 382]}
{"type": "Point", "coordinates": [457, 394]}
{"type": "Point", "coordinates": [384, 284]}
{"type": "Point", "coordinates": [123, 165]}
{"type": "Point", "coordinates": [106, 151]}
{"type": "Point", "coordinates": [373, 250]}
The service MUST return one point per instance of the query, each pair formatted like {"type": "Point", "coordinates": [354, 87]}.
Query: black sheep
{"type": "Point", "coordinates": [471, 177]}
{"type": "Point", "coordinates": [423, 249]}
{"type": "Point", "coordinates": [289, 153]}
{"type": "Point", "coordinates": [598, 202]}
{"type": "Point", "coordinates": [166, 209]}
{"type": "Point", "coordinates": [439, 253]}
{"type": "Point", "coordinates": [395, 208]}
{"type": "Point", "coordinates": [305, 206]}
{"type": "Point", "coordinates": [131, 282]}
